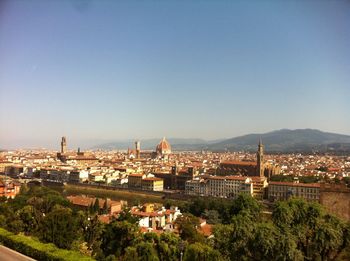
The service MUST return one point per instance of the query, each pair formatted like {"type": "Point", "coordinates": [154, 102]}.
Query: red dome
{"type": "Point", "coordinates": [163, 147]}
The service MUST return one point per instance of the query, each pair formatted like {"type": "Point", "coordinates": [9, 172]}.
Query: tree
{"type": "Point", "coordinates": [243, 227]}
{"type": "Point", "coordinates": [96, 206]}
{"type": "Point", "coordinates": [131, 254]}
{"type": "Point", "coordinates": [26, 214]}
{"type": "Point", "coordinates": [59, 227]}
{"type": "Point", "coordinates": [24, 189]}
{"type": "Point", "coordinates": [125, 215]}
{"type": "Point", "coordinates": [92, 231]}
{"type": "Point", "coordinates": [264, 242]}
{"type": "Point", "coordinates": [245, 202]}
{"type": "Point", "coordinates": [117, 236]}
{"type": "Point", "coordinates": [222, 239]}
{"type": "Point", "coordinates": [169, 247]}
{"type": "Point", "coordinates": [199, 252]}
{"type": "Point", "coordinates": [3, 199]}
{"type": "Point", "coordinates": [187, 225]}
{"type": "Point", "coordinates": [105, 207]}
{"type": "Point", "coordinates": [211, 216]}
{"type": "Point", "coordinates": [146, 252]}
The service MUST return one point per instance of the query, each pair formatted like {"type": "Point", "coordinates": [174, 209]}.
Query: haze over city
{"type": "Point", "coordinates": [111, 70]}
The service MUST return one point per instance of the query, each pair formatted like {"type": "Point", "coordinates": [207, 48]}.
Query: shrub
{"type": "Point", "coordinates": [35, 249]}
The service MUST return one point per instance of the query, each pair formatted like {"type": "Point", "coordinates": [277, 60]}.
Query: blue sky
{"type": "Point", "coordinates": [142, 69]}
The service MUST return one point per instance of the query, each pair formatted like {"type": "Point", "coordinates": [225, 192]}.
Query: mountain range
{"type": "Point", "coordinates": [284, 140]}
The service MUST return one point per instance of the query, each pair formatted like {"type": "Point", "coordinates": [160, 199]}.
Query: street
{"type": "Point", "coordinates": [7, 254]}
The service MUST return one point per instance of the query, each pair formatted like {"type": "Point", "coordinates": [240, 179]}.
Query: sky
{"type": "Point", "coordinates": [111, 70]}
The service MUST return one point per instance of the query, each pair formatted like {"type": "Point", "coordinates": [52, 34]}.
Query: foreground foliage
{"type": "Point", "coordinates": [297, 230]}
{"type": "Point", "coordinates": [40, 251]}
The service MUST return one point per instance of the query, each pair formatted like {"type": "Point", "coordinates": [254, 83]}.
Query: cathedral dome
{"type": "Point", "coordinates": [163, 147]}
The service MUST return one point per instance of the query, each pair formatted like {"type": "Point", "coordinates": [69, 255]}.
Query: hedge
{"type": "Point", "coordinates": [38, 250]}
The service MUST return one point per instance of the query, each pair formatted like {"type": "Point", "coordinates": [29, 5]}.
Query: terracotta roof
{"type": "Point", "coordinates": [135, 175]}
{"type": "Point", "coordinates": [146, 214]}
{"type": "Point", "coordinates": [292, 184]}
{"type": "Point", "coordinates": [86, 201]}
{"type": "Point", "coordinates": [239, 163]}
{"type": "Point", "coordinates": [104, 218]}
{"type": "Point", "coordinates": [206, 230]}
{"type": "Point", "coordinates": [163, 145]}
{"type": "Point", "coordinates": [237, 178]}
{"type": "Point", "coordinates": [152, 179]}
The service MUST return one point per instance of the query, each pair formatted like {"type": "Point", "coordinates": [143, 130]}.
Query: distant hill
{"type": "Point", "coordinates": [285, 140]}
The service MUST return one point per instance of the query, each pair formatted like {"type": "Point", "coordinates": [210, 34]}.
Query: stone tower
{"type": "Point", "coordinates": [260, 160]}
{"type": "Point", "coordinates": [138, 149]}
{"type": "Point", "coordinates": [63, 145]}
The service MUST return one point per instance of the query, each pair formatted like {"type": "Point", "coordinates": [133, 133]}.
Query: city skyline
{"type": "Point", "coordinates": [105, 70]}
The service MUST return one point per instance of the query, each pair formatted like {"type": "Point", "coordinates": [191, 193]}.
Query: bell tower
{"type": "Point", "coordinates": [63, 145]}
{"type": "Point", "coordinates": [260, 159]}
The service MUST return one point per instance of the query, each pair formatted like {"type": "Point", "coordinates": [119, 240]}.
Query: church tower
{"type": "Point", "coordinates": [63, 145]}
{"type": "Point", "coordinates": [260, 159]}
{"type": "Point", "coordinates": [138, 149]}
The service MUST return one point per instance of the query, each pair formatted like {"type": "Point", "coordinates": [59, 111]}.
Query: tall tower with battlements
{"type": "Point", "coordinates": [63, 145]}
{"type": "Point", "coordinates": [138, 149]}
{"type": "Point", "coordinates": [260, 160]}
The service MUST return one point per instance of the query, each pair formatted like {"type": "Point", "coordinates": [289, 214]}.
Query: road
{"type": "Point", "coordinates": [11, 255]}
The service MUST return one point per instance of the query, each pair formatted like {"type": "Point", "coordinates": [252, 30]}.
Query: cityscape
{"type": "Point", "coordinates": [174, 131]}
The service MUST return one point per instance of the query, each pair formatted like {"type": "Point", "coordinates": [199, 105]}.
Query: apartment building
{"type": "Point", "coordinates": [218, 186]}
{"type": "Point", "coordinates": [152, 184]}
{"type": "Point", "coordinates": [285, 190]}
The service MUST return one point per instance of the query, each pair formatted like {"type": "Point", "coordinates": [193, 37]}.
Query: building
{"type": "Point", "coordinates": [219, 186]}
{"type": "Point", "coordinates": [9, 189]}
{"type": "Point", "coordinates": [285, 190]}
{"type": "Point", "coordinates": [259, 187]}
{"type": "Point", "coordinates": [156, 220]}
{"type": "Point", "coordinates": [152, 184]}
{"type": "Point", "coordinates": [85, 202]}
{"type": "Point", "coordinates": [197, 187]}
{"type": "Point", "coordinates": [4, 164]}
{"type": "Point", "coordinates": [163, 149]}
{"type": "Point", "coordinates": [236, 185]}
{"type": "Point", "coordinates": [216, 186]}
{"type": "Point", "coordinates": [55, 175]}
{"type": "Point", "coordinates": [336, 199]}
{"type": "Point", "coordinates": [77, 176]}
{"type": "Point", "coordinates": [249, 168]}
{"type": "Point", "coordinates": [63, 145]}
{"type": "Point", "coordinates": [138, 149]}
{"type": "Point", "coordinates": [177, 178]}
{"type": "Point", "coordinates": [14, 170]}
{"type": "Point", "coordinates": [134, 181]}
{"type": "Point", "coordinates": [97, 176]}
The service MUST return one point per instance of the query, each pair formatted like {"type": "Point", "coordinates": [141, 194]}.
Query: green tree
{"type": "Point", "coordinates": [92, 231]}
{"type": "Point", "coordinates": [96, 206]}
{"type": "Point", "coordinates": [146, 252]}
{"type": "Point", "coordinates": [187, 225]}
{"type": "Point", "coordinates": [105, 207]}
{"type": "Point", "coordinates": [264, 242]}
{"type": "Point", "coordinates": [199, 252]}
{"type": "Point", "coordinates": [131, 254]}
{"type": "Point", "coordinates": [222, 239]}
{"type": "Point", "coordinates": [27, 216]}
{"type": "Point", "coordinates": [117, 236]}
{"type": "Point", "coordinates": [59, 227]}
{"type": "Point", "coordinates": [169, 247]}
{"type": "Point", "coordinates": [211, 216]}
{"type": "Point", "coordinates": [125, 215]}
{"type": "Point", "coordinates": [247, 203]}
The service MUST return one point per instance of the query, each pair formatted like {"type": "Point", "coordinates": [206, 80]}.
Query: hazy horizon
{"type": "Point", "coordinates": [75, 143]}
{"type": "Point", "coordinates": [116, 70]}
